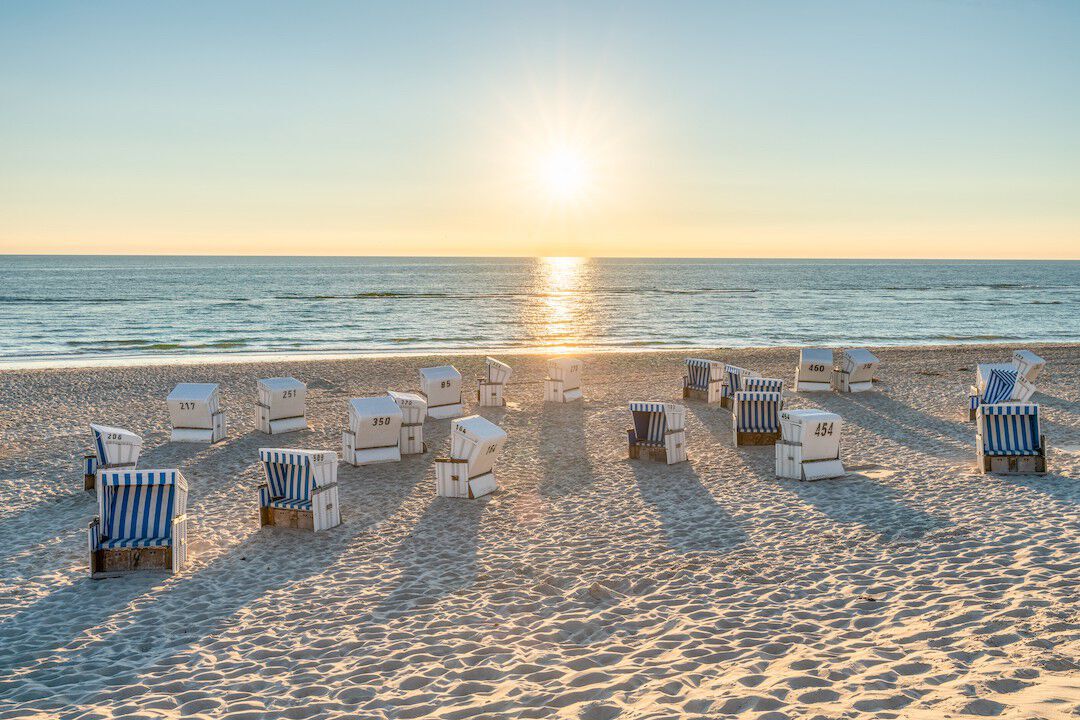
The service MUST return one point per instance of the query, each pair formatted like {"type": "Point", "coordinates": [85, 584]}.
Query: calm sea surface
{"type": "Point", "coordinates": [75, 308]}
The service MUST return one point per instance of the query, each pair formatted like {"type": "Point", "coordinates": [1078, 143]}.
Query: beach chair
{"type": "Point", "coordinates": [281, 405]}
{"type": "Point", "coordinates": [815, 371]}
{"type": "Point", "coordinates": [441, 388]}
{"type": "Point", "coordinates": [300, 489]}
{"type": "Point", "coordinates": [755, 417]}
{"type": "Point", "coordinates": [997, 383]}
{"type": "Point", "coordinates": [490, 393]}
{"type": "Point", "coordinates": [856, 371]}
{"type": "Point", "coordinates": [374, 432]}
{"type": "Point", "coordinates": [704, 380]}
{"type": "Point", "coordinates": [761, 384]}
{"type": "Point", "coordinates": [1008, 439]}
{"type": "Point", "coordinates": [196, 414]}
{"type": "Point", "coordinates": [659, 432]}
{"type": "Point", "coordinates": [141, 522]}
{"type": "Point", "coordinates": [113, 448]}
{"type": "Point", "coordinates": [1028, 365]}
{"type": "Point", "coordinates": [469, 471]}
{"type": "Point", "coordinates": [733, 380]}
{"type": "Point", "coordinates": [563, 383]}
{"type": "Point", "coordinates": [809, 445]}
{"type": "Point", "coordinates": [413, 413]}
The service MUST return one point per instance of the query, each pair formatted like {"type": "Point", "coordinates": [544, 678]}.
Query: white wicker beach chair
{"type": "Point", "coordinates": [413, 413]}
{"type": "Point", "coordinates": [563, 383]}
{"type": "Point", "coordinates": [300, 489]}
{"type": "Point", "coordinates": [113, 448]}
{"type": "Point", "coordinates": [374, 432]}
{"type": "Point", "coordinates": [815, 371]}
{"type": "Point", "coordinates": [1008, 439]}
{"type": "Point", "coordinates": [995, 384]}
{"type": "Point", "coordinates": [441, 387]}
{"type": "Point", "coordinates": [281, 405]}
{"type": "Point", "coordinates": [141, 522]}
{"type": "Point", "coordinates": [492, 386]}
{"type": "Point", "coordinates": [196, 414]}
{"type": "Point", "coordinates": [704, 380]}
{"type": "Point", "coordinates": [856, 371]}
{"type": "Point", "coordinates": [659, 432]}
{"type": "Point", "coordinates": [469, 470]}
{"type": "Point", "coordinates": [1028, 365]}
{"type": "Point", "coordinates": [755, 417]}
{"type": "Point", "coordinates": [809, 446]}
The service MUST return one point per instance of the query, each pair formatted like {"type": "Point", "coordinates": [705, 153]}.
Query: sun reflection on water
{"type": "Point", "coordinates": [562, 317]}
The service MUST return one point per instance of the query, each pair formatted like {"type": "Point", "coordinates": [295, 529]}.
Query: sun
{"type": "Point", "coordinates": [564, 174]}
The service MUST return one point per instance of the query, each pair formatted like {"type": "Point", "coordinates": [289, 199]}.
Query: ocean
{"type": "Point", "coordinates": [73, 309]}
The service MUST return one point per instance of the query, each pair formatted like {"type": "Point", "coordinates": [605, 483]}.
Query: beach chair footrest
{"type": "Point", "coordinates": [117, 561]}
{"type": "Point", "coordinates": [756, 438]}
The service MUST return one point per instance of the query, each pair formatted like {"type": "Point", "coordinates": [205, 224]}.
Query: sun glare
{"type": "Point", "coordinates": [564, 174]}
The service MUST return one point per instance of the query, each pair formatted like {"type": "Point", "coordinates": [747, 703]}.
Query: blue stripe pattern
{"type": "Point", "coordinates": [757, 384]}
{"type": "Point", "coordinates": [999, 387]}
{"type": "Point", "coordinates": [650, 422]}
{"type": "Point", "coordinates": [699, 373]}
{"type": "Point", "coordinates": [100, 442]}
{"type": "Point", "coordinates": [90, 464]}
{"type": "Point", "coordinates": [1010, 429]}
{"type": "Point", "coordinates": [290, 478]}
{"type": "Point", "coordinates": [138, 507]}
{"type": "Point", "coordinates": [757, 411]}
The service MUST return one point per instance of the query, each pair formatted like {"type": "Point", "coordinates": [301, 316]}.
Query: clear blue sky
{"type": "Point", "coordinates": [852, 129]}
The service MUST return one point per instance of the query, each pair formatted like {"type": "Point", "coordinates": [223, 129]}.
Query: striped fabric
{"type": "Point", "coordinates": [138, 507]}
{"type": "Point", "coordinates": [290, 478]}
{"type": "Point", "coordinates": [973, 401]}
{"type": "Point", "coordinates": [733, 381]}
{"type": "Point", "coordinates": [1010, 429]}
{"type": "Point", "coordinates": [757, 411]}
{"type": "Point", "coordinates": [699, 373]}
{"type": "Point", "coordinates": [649, 422]}
{"type": "Point", "coordinates": [90, 464]}
{"type": "Point", "coordinates": [99, 443]}
{"type": "Point", "coordinates": [758, 384]}
{"type": "Point", "coordinates": [999, 386]}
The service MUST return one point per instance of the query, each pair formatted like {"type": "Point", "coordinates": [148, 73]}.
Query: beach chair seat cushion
{"type": "Point", "coordinates": [290, 504]}
{"type": "Point", "coordinates": [1011, 430]}
{"type": "Point", "coordinates": [113, 543]}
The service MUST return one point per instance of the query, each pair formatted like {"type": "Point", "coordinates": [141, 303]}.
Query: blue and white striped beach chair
{"type": "Point", "coordinates": [300, 489]}
{"type": "Point", "coordinates": [704, 380]}
{"type": "Point", "coordinates": [1008, 439]}
{"type": "Point", "coordinates": [733, 380]}
{"type": "Point", "coordinates": [998, 383]}
{"type": "Point", "coordinates": [760, 384]}
{"type": "Point", "coordinates": [659, 430]}
{"type": "Point", "coordinates": [113, 448]}
{"type": "Point", "coordinates": [141, 522]}
{"type": "Point", "coordinates": [755, 418]}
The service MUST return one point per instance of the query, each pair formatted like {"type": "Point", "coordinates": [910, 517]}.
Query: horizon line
{"type": "Point", "coordinates": [539, 257]}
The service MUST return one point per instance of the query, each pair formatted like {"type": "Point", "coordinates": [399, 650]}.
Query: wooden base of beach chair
{"type": "Point", "coordinates": [491, 394]}
{"type": "Point", "coordinates": [727, 402]}
{"type": "Point", "coordinates": [648, 452]}
{"type": "Point", "coordinates": [287, 517]}
{"type": "Point", "coordinates": [118, 561]}
{"type": "Point", "coordinates": [1013, 464]}
{"type": "Point", "coordinates": [972, 412]}
{"type": "Point", "coordinates": [756, 438]}
{"type": "Point", "coordinates": [90, 482]}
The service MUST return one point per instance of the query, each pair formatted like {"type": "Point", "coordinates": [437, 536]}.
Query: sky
{"type": "Point", "coordinates": [854, 129]}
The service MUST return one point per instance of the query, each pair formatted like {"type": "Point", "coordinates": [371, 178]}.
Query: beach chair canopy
{"type": "Point", "coordinates": [1028, 364]}
{"type": "Point", "coordinates": [1010, 429]}
{"type": "Point", "coordinates": [650, 422]}
{"type": "Point", "coordinates": [859, 363]}
{"type": "Point", "coordinates": [478, 441]}
{"type": "Point", "coordinates": [291, 476]}
{"type": "Point", "coordinates": [285, 396]}
{"type": "Point", "coordinates": [441, 385]}
{"type": "Point", "coordinates": [735, 375]}
{"type": "Point", "coordinates": [567, 369]}
{"type": "Point", "coordinates": [496, 372]}
{"type": "Point", "coordinates": [115, 446]}
{"type": "Point", "coordinates": [999, 386]}
{"type": "Point", "coordinates": [137, 507]}
{"type": "Point", "coordinates": [757, 411]}
{"type": "Point", "coordinates": [701, 372]}
{"type": "Point", "coordinates": [817, 431]}
{"type": "Point", "coordinates": [192, 405]}
{"type": "Point", "coordinates": [815, 365]}
{"type": "Point", "coordinates": [376, 421]}
{"type": "Point", "coordinates": [760, 384]}
{"type": "Point", "coordinates": [413, 406]}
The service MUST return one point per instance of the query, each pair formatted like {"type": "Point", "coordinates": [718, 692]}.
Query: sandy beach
{"type": "Point", "coordinates": [589, 586]}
